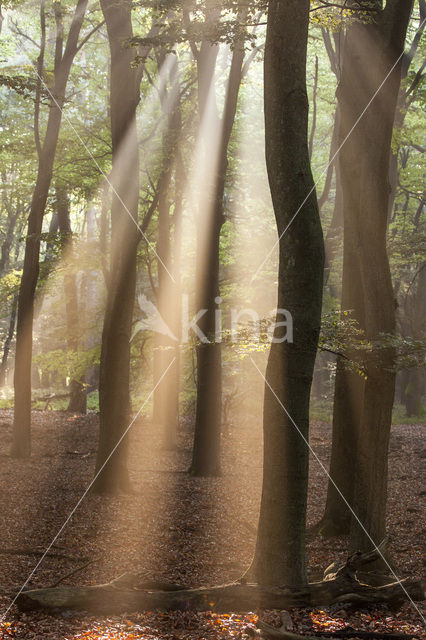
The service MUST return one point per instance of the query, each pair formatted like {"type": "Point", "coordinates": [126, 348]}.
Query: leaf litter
{"type": "Point", "coordinates": [175, 528]}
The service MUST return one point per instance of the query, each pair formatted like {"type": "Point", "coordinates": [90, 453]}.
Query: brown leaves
{"type": "Point", "coordinates": [191, 531]}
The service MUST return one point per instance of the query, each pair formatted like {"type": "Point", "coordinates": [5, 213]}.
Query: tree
{"type": "Point", "coordinates": [380, 42]}
{"type": "Point", "coordinates": [367, 107]}
{"type": "Point", "coordinates": [64, 57]}
{"type": "Point", "coordinates": [280, 554]}
{"type": "Point", "coordinates": [208, 417]}
{"type": "Point", "coordinates": [166, 357]}
{"type": "Point", "coordinates": [362, 410]}
{"type": "Point", "coordinates": [114, 395]}
{"type": "Point", "coordinates": [78, 396]}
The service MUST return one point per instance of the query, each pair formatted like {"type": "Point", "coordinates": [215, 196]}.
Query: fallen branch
{"type": "Point", "coordinates": [50, 397]}
{"type": "Point", "coordinates": [71, 573]}
{"type": "Point", "coordinates": [113, 598]}
{"type": "Point", "coordinates": [132, 592]}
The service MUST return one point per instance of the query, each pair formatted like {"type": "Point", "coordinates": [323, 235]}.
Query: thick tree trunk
{"type": "Point", "coordinates": [21, 446]}
{"type": "Point", "coordinates": [363, 410]}
{"type": "Point", "coordinates": [370, 52]}
{"type": "Point", "coordinates": [348, 389]}
{"type": "Point", "coordinates": [114, 392]}
{"type": "Point", "coordinates": [208, 418]}
{"type": "Point", "coordinates": [280, 548]}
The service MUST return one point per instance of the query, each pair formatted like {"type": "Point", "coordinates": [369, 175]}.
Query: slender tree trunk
{"type": "Point", "coordinates": [404, 98]}
{"type": "Point", "coordinates": [165, 410]}
{"type": "Point", "coordinates": [114, 389]}
{"type": "Point", "coordinates": [348, 398]}
{"type": "Point", "coordinates": [166, 399]}
{"type": "Point", "coordinates": [280, 548]}
{"type": "Point", "coordinates": [78, 399]}
{"type": "Point", "coordinates": [12, 218]}
{"type": "Point", "coordinates": [334, 233]}
{"type": "Point", "coordinates": [21, 446]}
{"type": "Point", "coordinates": [8, 341]}
{"type": "Point", "coordinates": [208, 418]}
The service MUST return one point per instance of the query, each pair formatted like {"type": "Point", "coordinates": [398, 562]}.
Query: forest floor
{"type": "Point", "coordinates": [195, 531]}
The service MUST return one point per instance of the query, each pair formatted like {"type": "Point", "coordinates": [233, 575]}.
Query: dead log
{"type": "Point", "coordinates": [132, 592]}
{"type": "Point", "coordinates": [112, 598]}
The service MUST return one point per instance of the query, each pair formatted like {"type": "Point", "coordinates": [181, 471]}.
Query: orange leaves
{"type": "Point", "coordinates": [324, 622]}
{"type": "Point", "coordinates": [5, 630]}
{"type": "Point", "coordinates": [231, 625]}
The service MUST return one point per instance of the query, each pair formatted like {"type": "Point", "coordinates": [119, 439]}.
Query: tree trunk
{"type": "Point", "coordinates": [280, 548]}
{"type": "Point", "coordinates": [12, 218]}
{"type": "Point", "coordinates": [21, 446]}
{"type": "Point", "coordinates": [114, 393]}
{"type": "Point", "coordinates": [78, 396]}
{"type": "Point", "coordinates": [363, 410]}
{"type": "Point", "coordinates": [8, 341]}
{"type": "Point", "coordinates": [166, 386]}
{"type": "Point", "coordinates": [333, 236]}
{"type": "Point", "coordinates": [348, 389]}
{"type": "Point", "coordinates": [403, 103]}
{"type": "Point", "coordinates": [370, 52]}
{"type": "Point", "coordinates": [208, 417]}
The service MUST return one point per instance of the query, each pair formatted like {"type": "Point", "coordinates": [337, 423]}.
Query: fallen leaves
{"type": "Point", "coordinates": [191, 531]}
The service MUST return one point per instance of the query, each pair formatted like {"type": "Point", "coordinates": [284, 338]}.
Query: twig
{"type": "Point", "coordinates": [71, 573]}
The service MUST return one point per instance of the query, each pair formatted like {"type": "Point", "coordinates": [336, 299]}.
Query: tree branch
{"type": "Point", "coordinates": [89, 35]}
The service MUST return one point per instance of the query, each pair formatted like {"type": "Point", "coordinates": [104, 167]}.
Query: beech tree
{"type": "Point", "coordinates": [280, 548]}
{"type": "Point", "coordinates": [63, 60]}
{"type": "Point", "coordinates": [114, 394]}
{"type": "Point", "coordinates": [78, 396]}
{"type": "Point", "coordinates": [367, 96]}
{"type": "Point", "coordinates": [208, 417]}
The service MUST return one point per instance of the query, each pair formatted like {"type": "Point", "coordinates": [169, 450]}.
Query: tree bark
{"type": "Point", "coordinates": [111, 472]}
{"type": "Point", "coordinates": [280, 547]}
{"type": "Point", "coordinates": [21, 446]}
